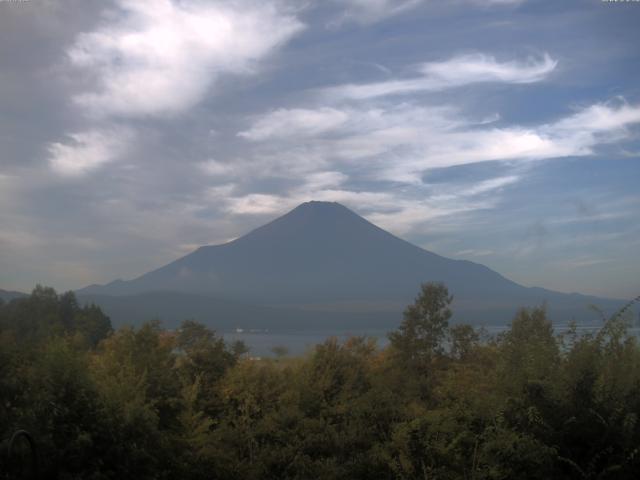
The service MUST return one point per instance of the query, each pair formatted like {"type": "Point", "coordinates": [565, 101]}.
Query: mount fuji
{"type": "Point", "coordinates": [321, 265]}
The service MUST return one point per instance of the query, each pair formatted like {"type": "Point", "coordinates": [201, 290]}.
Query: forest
{"type": "Point", "coordinates": [442, 401]}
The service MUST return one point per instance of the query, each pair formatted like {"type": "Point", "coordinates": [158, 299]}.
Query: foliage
{"type": "Point", "coordinates": [439, 402]}
{"type": "Point", "coordinates": [421, 333]}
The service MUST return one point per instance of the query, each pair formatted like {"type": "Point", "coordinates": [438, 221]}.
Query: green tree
{"type": "Point", "coordinates": [92, 324]}
{"type": "Point", "coordinates": [463, 339]}
{"type": "Point", "coordinates": [529, 350]}
{"type": "Point", "coordinates": [421, 334]}
{"type": "Point", "coordinates": [206, 358]}
{"type": "Point", "coordinates": [45, 314]}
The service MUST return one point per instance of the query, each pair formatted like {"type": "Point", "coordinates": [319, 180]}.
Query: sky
{"type": "Point", "coordinates": [505, 132]}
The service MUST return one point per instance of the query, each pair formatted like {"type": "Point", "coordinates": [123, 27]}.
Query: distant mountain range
{"type": "Point", "coordinates": [321, 266]}
{"type": "Point", "coordinates": [7, 295]}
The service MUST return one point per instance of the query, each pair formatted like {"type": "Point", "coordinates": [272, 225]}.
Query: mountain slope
{"type": "Point", "coordinates": [324, 257]}
{"type": "Point", "coordinates": [318, 251]}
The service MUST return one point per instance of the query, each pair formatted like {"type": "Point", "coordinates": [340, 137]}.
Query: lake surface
{"type": "Point", "coordinates": [261, 343]}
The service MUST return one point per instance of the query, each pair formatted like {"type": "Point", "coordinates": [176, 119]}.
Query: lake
{"type": "Point", "coordinates": [261, 343]}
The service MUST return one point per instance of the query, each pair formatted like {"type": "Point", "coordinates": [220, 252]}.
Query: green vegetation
{"type": "Point", "coordinates": [439, 402]}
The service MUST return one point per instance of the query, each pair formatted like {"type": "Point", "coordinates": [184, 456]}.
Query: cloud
{"type": "Point", "coordinates": [376, 156]}
{"type": "Point", "coordinates": [490, 3]}
{"type": "Point", "coordinates": [471, 252]}
{"type": "Point", "coordinates": [479, 188]}
{"type": "Point", "coordinates": [365, 12]}
{"type": "Point", "coordinates": [215, 168]}
{"type": "Point", "coordinates": [582, 262]}
{"type": "Point", "coordinates": [256, 203]}
{"type": "Point", "coordinates": [161, 56]}
{"type": "Point", "coordinates": [455, 72]}
{"type": "Point", "coordinates": [184, 176]}
{"type": "Point", "coordinates": [484, 68]}
{"type": "Point", "coordinates": [87, 150]}
{"type": "Point", "coordinates": [346, 122]}
{"type": "Point", "coordinates": [581, 133]}
{"type": "Point", "coordinates": [297, 122]}
{"type": "Point", "coordinates": [158, 58]}
{"type": "Point", "coordinates": [400, 142]}
{"type": "Point", "coordinates": [400, 212]}
{"type": "Point", "coordinates": [370, 11]}
{"type": "Point", "coordinates": [599, 118]}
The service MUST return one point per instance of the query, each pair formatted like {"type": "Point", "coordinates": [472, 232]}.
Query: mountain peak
{"type": "Point", "coordinates": [316, 206]}
{"type": "Point", "coordinates": [319, 204]}
{"type": "Point", "coordinates": [312, 220]}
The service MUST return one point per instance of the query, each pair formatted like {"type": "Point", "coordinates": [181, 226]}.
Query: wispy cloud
{"type": "Point", "coordinates": [395, 211]}
{"type": "Point", "coordinates": [489, 3]}
{"type": "Point", "coordinates": [582, 262]}
{"type": "Point", "coordinates": [401, 142]}
{"type": "Point", "coordinates": [477, 188]}
{"type": "Point", "coordinates": [370, 11]}
{"type": "Point", "coordinates": [396, 145]}
{"type": "Point", "coordinates": [600, 123]}
{"type": "Point", "coordinates": [452, 73]}
{"type": "Point", "coordinates": [297, 122]}
{"type": "Point", "coordinates": [474, 253]}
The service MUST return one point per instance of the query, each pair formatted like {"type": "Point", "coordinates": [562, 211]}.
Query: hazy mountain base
{"type": "Point", "coordinates": [149, 403]}
{"type": "Point", "coordinates": [321, 257]}
{"type": "Point", "coordinates": [224, 315]}
{"type": "Point", "coordinates": [8, 295]}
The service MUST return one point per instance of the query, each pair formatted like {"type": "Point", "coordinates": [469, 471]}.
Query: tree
{"type": "Point", "coordinates": [425, 325]}
{"type": "Point", "coordinates": [93, 324]}
{"type": "Point", "coordinates": [463, 339]}
{"type": "Point", "coordinates": [529, 350]}
{"type": "Point", "coordinates": [205, 357]}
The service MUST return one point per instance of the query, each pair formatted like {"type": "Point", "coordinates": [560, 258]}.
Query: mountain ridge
{"type": "Point", "coordinates": [8, 295]}
{"type": "Point", "coordinates": [322, 253]}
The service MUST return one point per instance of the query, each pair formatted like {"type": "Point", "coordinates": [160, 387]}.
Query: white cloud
{"type": "Point", "coordinates": [455, 72]}
{"type": "Point", "coordinates": [576, 135]}
{"type": "Point", "coordinates": [370, 11]}
{"type": "Point", "coordinates": [490, 3]}
{"type": "Point", "coordinates": [471, 252]}
{"type": "Point", "coordinates": [87, 150]}
{"type": "Point", "coordinates": [161, 56]}
{"type": "Point", "coordinates": [598, 118]}
{"type": "Point", "coordinates": [481, 187]}
{"type": "Point", "coordinates": [346, 123]}
{"type": "Point", "coordinates": [483, 68]}
{"type": "Point", "coordinates": [321, 180]}
{"type": "Point", "coordinates": [215, 168]}
{"type": "Point", "coordinates": [257, 203]}
{"type": "Point", "coordinates": [296, 123]}
{"type": "Point", "coordinates": [401, 142]}
{"type": "Point", "coordinates": [392, 210]}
